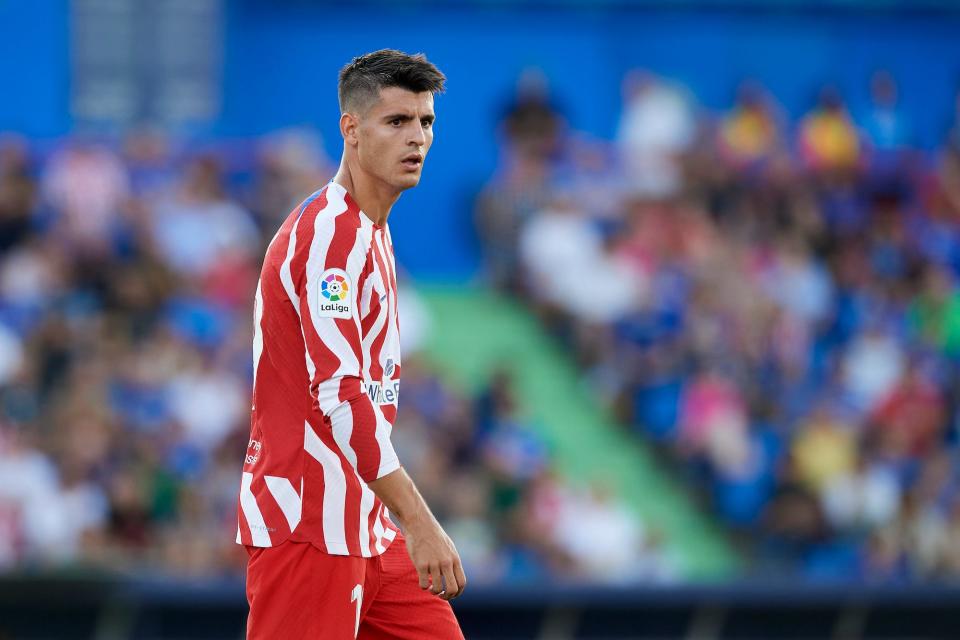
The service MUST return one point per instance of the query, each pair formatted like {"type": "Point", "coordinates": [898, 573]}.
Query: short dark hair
{"type": "Point", "coordinates": [363, 77]}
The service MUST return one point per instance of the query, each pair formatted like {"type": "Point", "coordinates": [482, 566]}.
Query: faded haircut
{"type": "Point", "coordinates": [363, 77]}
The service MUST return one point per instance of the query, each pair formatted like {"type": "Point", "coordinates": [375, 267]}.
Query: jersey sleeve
{"type": "Point", "coordinates": [329, 300]}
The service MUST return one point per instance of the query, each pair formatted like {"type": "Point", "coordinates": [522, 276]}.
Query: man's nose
{"type": "Point", "coordinates": [417, 135]}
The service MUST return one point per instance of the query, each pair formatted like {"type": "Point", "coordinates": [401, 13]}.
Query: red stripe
{"type": "Point", "coordinates": [389, 412]}
{"type": "Point", "coordinates": [376, 367]}
{"type": "Point", "coordinates": [366, 323]}
{"type": "Point", "coordinates": [363, 439]}
{"type": "Point", "coordinates": [305, 231]}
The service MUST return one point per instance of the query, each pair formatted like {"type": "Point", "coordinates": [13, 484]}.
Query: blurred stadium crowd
{"type": "Point", "coordinates": [126, 279]}
{"type": "Point", "coordinates": [774, 303]}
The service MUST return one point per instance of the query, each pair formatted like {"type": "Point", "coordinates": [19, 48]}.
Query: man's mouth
{"type": "Point", "coordinates": [412, 161]}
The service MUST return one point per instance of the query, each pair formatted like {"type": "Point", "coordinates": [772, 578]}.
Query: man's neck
{"type": "Point", "coordinates": [375, 198]}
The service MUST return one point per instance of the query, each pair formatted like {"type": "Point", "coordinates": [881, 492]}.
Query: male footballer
{"type": "Point", "coordinates": [326, 561]}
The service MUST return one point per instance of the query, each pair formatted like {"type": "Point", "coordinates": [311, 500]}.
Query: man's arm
{"type": "Point", "coordinates": [327, 272]}
{"type": "Point", "coordinates": [430, 548]}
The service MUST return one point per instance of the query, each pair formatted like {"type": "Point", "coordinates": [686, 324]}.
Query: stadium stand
{"type": "Point", "coordinates": [771, 302]}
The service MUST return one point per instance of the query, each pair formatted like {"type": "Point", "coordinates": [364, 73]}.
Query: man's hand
{"type": "Point", "coordinates": [436, 560]}
{"type": "Point", "coordinates": [431, 549]}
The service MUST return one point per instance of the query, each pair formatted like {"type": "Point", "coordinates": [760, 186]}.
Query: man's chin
{"type": "Point", "coordinates": [407, 182]}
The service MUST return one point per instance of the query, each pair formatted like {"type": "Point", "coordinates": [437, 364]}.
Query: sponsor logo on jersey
{"type": "Point", "coordinates": [255, 446]}
{"type": "Point", "coordinates": [335, 294]}
{"type": "Point", "coordinates": [384, 393]}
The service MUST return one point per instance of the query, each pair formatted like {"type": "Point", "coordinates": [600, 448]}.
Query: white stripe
{"type": "Point", "coordinates": [334, 491]}
{"type": "Point", "coordinates": [391, 337]}
{"type": "Point", "coordinates": [368, 339]}
{"type": "Point", "coordinates": [366, 506]}
{"type": "Point", "coordinates": [341, 421]}
{"type": "Point", "coordinates": [341, 192]}
{"type": "Point", "coordinates": [392, 264]}
{"type": "Point", "coordinates": [257, 331]}
{"type": "Point", "coordinates": [286, 278]}
{"type": "Point", "coordinates": [248, 503]}
{"type": "Point", "coordinates": [390, 534]}
{"type": "Point", "coordinates": [366, 297]}
{"type": "Point", "coordinates": [355, 261]}
{"type": "Point", "coordinates": [378, 531]}
{"type": "Point", "coordinates": [388, 263]}
{"type": "Point", "coordinates": [286, 496]}
{"type": "Point", "coordinates": [388, 457]}
{"type": "Point", "coordinates": [327, 330]}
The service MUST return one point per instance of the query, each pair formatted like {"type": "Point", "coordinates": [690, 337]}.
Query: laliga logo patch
{"type": "Point", "coordinates": [335, 294]}
{"type": "Point", "coordinates": [334, 287]}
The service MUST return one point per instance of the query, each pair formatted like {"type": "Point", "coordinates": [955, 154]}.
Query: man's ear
{"type": "Point", "coordinates": [348, 128]}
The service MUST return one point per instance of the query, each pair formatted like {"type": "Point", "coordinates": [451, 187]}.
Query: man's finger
{"type": "Point", "coordinates": [452, 584]}
{"type": "Point", "coordinates": [424, 577]}
{"type": "Point", "coordinates": [460, 575]}
{"type": "Point", "coordinates": [437, 578]}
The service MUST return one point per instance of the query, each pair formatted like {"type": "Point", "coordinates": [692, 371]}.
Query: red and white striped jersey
{"type": "Point", "coordinates": [326, 361]}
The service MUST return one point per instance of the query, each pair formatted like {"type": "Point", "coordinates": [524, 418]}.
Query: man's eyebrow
{"type": "Point", "coordinates": [406, 117]}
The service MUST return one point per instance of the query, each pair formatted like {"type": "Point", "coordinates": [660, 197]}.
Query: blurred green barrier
{"type": "Point", "coordinates": [475, 331]}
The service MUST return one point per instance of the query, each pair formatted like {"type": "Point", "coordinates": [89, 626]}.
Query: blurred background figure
{"type": "Point", "coordinates": [751, 133]}
{"type": "Point", "coordinates": [829, 140]}
{"type": "Point", "coordinates": [657, 126]}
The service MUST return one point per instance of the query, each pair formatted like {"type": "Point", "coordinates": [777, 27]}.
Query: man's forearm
{"type": "Point", "coordinates": [431, 550]}
{"type": "Point", "coordinates": [397, 491]}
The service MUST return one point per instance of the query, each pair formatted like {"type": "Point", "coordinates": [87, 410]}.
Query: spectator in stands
{"type": "Point", "coordinates": [87, 185]}
{"type": "Point", "coordinates": [198, 227]}
{"type": "Point", "coordinates": [532, 124]}
{"type": "Point", "coordinates": [750, 134]}
{"type": "Point", "coordinates": [17, 193]}
{"type": "Point", "coordinates": [885, 124]}
{"type": "Point", "coordinates": [829, 141]}
{"type": "Point", "coordinates": [656, 128]}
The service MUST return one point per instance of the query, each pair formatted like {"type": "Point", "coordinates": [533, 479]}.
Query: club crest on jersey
{"type": "Point", "coordinates": [334, 294]}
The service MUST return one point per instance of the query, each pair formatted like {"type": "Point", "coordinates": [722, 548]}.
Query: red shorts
{"type": "Point", "coordinates": [297, 591]}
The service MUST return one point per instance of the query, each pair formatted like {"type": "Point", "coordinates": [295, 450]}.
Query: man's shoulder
{"type": "Point", "coordinates": [330, 223]}
{"type": "Point", "coordinates": [328, 207]}
{"type": "Point", "coordinates": [312, 205]}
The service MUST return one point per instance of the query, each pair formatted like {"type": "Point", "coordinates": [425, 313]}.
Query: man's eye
{"type": "Point", "coordinates": [426, 123]}
{"type": "Point", "coordinates": [396, 122]}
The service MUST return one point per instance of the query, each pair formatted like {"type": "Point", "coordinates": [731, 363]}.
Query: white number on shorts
{"type": "Point", "coordinates": [357, 596]}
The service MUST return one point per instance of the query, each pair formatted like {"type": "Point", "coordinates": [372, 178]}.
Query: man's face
{"type": "Point", "coordinates": [394, 135]}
